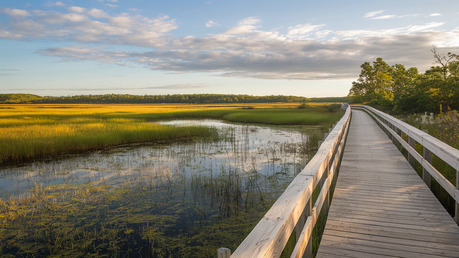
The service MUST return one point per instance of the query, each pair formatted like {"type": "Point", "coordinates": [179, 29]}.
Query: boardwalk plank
{"type": "Point", "coordinates": [381, 207]}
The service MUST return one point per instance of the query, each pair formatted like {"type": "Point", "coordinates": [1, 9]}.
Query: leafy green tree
{"type": "Point", "coordinates": [374, 85]}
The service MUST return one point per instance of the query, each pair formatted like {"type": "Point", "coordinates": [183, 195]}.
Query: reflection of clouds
{"type": "Point", "coordinates": [251, 150]}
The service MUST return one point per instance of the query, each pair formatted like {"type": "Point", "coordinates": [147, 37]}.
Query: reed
{"type": "Point", "coordinates": [30, 132]}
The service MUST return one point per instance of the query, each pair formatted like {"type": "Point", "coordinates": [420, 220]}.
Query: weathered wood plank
{"type": "Point", "coordinates": [442, 236]}
{"type": "Point", "coordinates": [270, 235]}
{"type": "Point", "coordinates": [400, 234]}
{"type": "Point", "coordinates": [362, 246]}
{"type": "Point", "coordinates": [381, 206]}
{"type": "Point", "coordinates": [387, 243]}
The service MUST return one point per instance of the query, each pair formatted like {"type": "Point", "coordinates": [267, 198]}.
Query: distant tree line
{"type": "Point", "coordinates": [400, 90]}
{"type": "Point", "coordinates": [176, 98]}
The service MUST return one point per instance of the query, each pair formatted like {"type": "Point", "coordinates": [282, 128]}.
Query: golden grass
{"type": "Point", "coordinates": [30, 131]}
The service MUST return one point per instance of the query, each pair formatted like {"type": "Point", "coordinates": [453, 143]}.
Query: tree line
{"type": "Point", "coordinates": [400, 90]}
{"type": "Point", "coordinates": [132, 99]}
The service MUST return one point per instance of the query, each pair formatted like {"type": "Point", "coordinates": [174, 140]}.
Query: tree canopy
{"type": "Point", "coordinates": [132, 99]}
{"type": "Point", "coordinates": [401, 90]}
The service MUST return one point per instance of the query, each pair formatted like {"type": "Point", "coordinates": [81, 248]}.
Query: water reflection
{"type": "Point", "coordinates": [268, 155]}
{"type": "Point", "coordinates": [177, 200]}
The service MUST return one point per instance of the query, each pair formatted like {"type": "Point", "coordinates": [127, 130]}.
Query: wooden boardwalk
{"type": "Point", "coordinates": [380, 206]}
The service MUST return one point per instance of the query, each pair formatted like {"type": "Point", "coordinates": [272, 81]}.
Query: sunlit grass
{"type": "Point", "coordinates": [31, 132]}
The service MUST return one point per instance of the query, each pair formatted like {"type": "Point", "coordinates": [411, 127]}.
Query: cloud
{"type": "Point", "coordinates": [302, 30]}
{"type": "Point", "coordinates": [376, 15]}
{"type": "Point", "coordinates": [9, 72]}
{"type": "Point", "coordinates": [435, 14]}
{"type": "Point", "coordinates": [301, 52]}
{"type": "Point", "coordinates": [406, 30]}
{"type": "Point", "coordinates": [211, 24]}
{"type": "Point", "coordinates": [82, 25]}
{"type": "Point", "coordinates": [383, 17]}
{"type": "Point", "coordinates": [244, 26]}
{"type": "Point", "coordinates": [372, 14]}
{"type": "Point", "coordinates": [76, 9]}
{"type": "Point", "coordinates": [58, 3]}
{"type": "Point", "coordinates": [15, 12]}
{"type": "Point", "coordinates": [83, 53]}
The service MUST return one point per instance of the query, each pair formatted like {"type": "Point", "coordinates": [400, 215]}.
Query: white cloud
{"type": "Point", "coordinates": [376, 15]}
{"type": "Point", "coordinates": [16, 12]}
{"type": "Point", "coordinates": [302, 30]}
{"type": "Point", "coordinates": [406, 30]}
{"type": "Point", "coordinates": [58, 4]}
{"type": "Point", "coordinates": [435, 14]}
{"type": "Point", "coordinates": [304, 51]}
{"type": "Point", "coordinates": [383, 17]}
{"type": "Point", "coordinates": [211, 24]}
{"type": "Point", "coordinates": [245, 26]}
{"type": "Point", "coordinates": [97, 13]}
{"type": "Point", "coordinates": [76, 9]}
{"type": "Point", "coordinates": [373, 14]}
{"type": "Point", "coordinates": [82, 25]}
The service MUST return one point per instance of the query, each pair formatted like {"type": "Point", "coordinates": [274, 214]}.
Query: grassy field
{"type": "Point", "coordinates": [30, 132]}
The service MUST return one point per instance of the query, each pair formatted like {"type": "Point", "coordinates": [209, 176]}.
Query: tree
{"type": "Point", "coordinates": [374, 85]}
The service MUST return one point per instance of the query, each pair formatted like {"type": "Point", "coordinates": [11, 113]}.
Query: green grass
{"type": "Point", "coordinates": [30, 132]}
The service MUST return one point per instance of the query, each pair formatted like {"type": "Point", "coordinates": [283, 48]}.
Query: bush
{"type": "Point", "coordinates": [333, 107]}
{"type": "Point", "coordinates": [302, 106]}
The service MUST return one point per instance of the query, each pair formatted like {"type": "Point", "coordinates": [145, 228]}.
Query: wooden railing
{"type": "Point", "coordinates": [431, 145]}
{"type": "Point", "coordinates": [294, 209]}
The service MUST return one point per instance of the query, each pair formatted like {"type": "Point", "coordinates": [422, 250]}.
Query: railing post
{"type": "Point", "coordinates": [325, 177]}
{"type": "Point", "coordinates": [308, 250]}
{"type": "Point", "coordinates": [300, 224]}
{"type": "Point", "coordinates": [427, 154]}
{"type": "Point", "coordinates": [456, 214]}
{"type": "Point", "coordinates": [412, 143]}
{"type": "Point", "coordinates": [223, 252]}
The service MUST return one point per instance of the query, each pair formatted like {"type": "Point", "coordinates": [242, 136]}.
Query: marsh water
{"type": "Point", "coordinates": [181, 199]}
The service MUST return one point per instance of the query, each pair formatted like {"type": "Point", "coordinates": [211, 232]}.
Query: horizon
{"type": "Point", "coordinates": [290, 48]}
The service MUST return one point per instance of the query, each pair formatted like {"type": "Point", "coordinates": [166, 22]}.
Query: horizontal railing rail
{"type": "Point", "coordinates": [294, 209]}
{"type": "Point", "coordinates": [431, 145]}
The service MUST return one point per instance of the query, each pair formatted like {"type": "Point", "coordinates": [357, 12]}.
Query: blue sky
{"type": "Point", "coordinates": [303, 48]}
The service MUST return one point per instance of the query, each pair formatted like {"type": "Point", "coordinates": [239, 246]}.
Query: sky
{"type": "Point", "coordinates": [289, 47]}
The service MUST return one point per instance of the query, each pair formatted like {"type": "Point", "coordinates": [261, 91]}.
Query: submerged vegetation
{"type": "Point", "coordinates": [31, 132]}
{"type": "Point", "coordinates": [90, 220]}
{"type": "Point", "coordinates": [185, 199]}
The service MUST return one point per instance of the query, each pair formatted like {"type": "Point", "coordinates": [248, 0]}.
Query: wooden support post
{"type": "Point", "coordinates": [425, 174]}
{"type": "Point", "coordinates": [323, 181]}
{"type": "Point", "coordinates": [308, 250]}
{"type": "Point", "coordinates": [456, 214]}
{"type": "Point", "coordinates": [223, 252]}
{"type": "Point", "coordinates": [412, 143]}
{"type": "Point", "coordinates": [300, 224]}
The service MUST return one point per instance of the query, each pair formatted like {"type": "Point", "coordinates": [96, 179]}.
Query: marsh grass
{"type": "Point", "coordinates": [30, 132]}
{"type": "Point", "coordinates": [92, 220]}
{"type": "Point", "coordinates": [143, 217]}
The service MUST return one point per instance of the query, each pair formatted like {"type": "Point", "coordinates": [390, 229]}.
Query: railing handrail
{"type": "Point", "coordinates": [430, 145]}
{"type": "Point", "coordinates": [442, 150]}
{"type": "Point", "coordinates": [270, 235]}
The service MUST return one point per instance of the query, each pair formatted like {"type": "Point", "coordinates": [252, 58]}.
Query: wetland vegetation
{"type": "Point", "coordinates": [184, 189]}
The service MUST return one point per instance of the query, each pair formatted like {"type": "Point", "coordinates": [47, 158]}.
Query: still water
{"type": "Point", "coordinates": [175, 192]}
